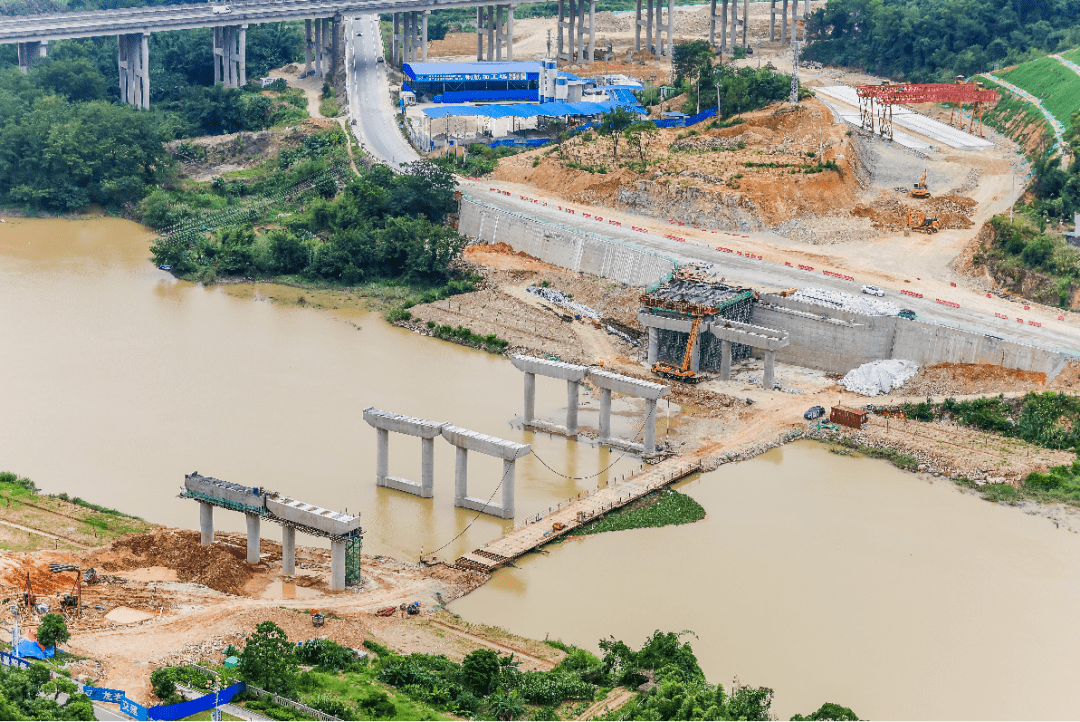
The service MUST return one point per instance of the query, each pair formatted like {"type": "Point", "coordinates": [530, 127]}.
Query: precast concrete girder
{"type": "Point", "coordinates": [386, 421]}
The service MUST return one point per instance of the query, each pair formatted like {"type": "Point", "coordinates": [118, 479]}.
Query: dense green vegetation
{"type": "Point", "coordinates": [661, 508]}
{"type": "Point", "coordinates": [739, 90]}
{"type": "Point", "coordinates": [1052, 82]}
{"type": "Point", "coordinates": [484, 685]}
{"type": "Point", "coordinates": [24, 695]}
{"type": "Point", "coordinates": [1049, 419]}
{"type": "Point", "coordinates": [382, 226]}
{"type": "Point", "coordinates": [1020, 244]}
{"type": "Point", "coordinates": [1059, 484]}
{"type": "Point", "coordinates": [933, 40]}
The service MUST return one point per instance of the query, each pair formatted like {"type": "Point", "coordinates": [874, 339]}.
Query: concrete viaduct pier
{"type": "Point", "coordinates": [766, 340]}
{"type": "Point", "coordinates": [606, 382]}
{"type": "Point", "coordinates": [654, 30]}
{"type": "Point", "coordinates": [384, 422]}
{"type": "Point", "coordinates": [343, 531]}
{"type": "Point", "coordinates": [508, 451]}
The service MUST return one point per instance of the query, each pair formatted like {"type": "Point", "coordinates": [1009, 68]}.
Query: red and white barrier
{"type": "Point", "coordinates": [947, 303]}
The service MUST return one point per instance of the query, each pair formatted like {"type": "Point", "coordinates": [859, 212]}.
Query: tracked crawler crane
{"type": "Point", "coordinates": [683, 373]}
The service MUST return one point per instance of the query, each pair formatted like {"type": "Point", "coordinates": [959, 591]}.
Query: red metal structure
{"type": "Point", "coordinates": [876, 101]}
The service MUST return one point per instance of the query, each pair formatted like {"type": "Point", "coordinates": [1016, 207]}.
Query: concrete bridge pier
{"type": "Point", "coordinates": [466, 441]}
{"type": "Point", "coordinates": [230, 55]}
{"type": "Point", "coordinates": [206, 523]}
{"type": "Point", "coordinates": [783, 24]}
{"type": "Point", "coordinates": [571, 373]}
{"type": "Point", "coordinates": [424, 15]}
{"type": "Point", "coordinates": [608, 382]}
{"type": "Point", "coordinates": [29, 53]}
{"type": "Point", "coordinates": [288, 551]}
{"type": "Point", "coordinates": [654, 41]}
{"type": "Point", "coordinates": [395, 41]}
{"type": "Point", "coordinates": [767, 374]}
{"type": "Point", "coordinates": [337, 565]}
{"type": "Point", "coordinates": [725, 360]}
{"type": "Point", "coordinates": [386, 421]}
{"type": "Point", "coordinates": [253, 524]}
{"type": "Point", "coordinates": [572, 45]}
{"type": "Point", "coordinates": [318, 47]}
{"type": "Point", "coordinates": [133, 59]}
{"type": "Point", "coordinates": [307, 46]}
{"type": "Point", "coordinates": [654, 345]}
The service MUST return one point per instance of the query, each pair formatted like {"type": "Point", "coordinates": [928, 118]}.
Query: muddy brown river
{"type": "Point", "coordinates": [824, 577]}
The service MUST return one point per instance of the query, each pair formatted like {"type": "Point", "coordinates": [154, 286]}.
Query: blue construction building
{"type": "Point", "coordinates": [473, 82]}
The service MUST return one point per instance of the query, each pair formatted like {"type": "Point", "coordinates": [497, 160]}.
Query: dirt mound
{"type": "Point", "coordinates": [959, 379]}
{"type": "Point", "coordinates": [222, 566]}
{"type": "Point", "coordinates": [891, 214]}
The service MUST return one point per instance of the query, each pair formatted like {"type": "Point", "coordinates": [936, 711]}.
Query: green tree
{"type": "Point", "coordinates": [52, 631]}
{"type": "Point", "coordinates": [506, 706]}
{"type": "Point", "coordinates": [613, 123]}
{"type": "Point", "coordinates": [60, 685]}
{"type": "Point", "coordinates": [688, 57]}
{"type": "Point", "coordinates": [640, 135]}
{"type": "Point", "coordinates": [76, 79]}
{"type": "Point", "coordinates": [480, 670]}
{"type": "Point", "coordinates": [268, 660]}
{"type": "Point", "coordinates": [829, 711]}
{"type": "Point", "coordinates": [163, 684]}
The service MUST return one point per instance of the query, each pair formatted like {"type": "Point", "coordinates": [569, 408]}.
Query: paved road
{"type": "Point", "coordinates": [383, 139]}
{"type": "Point", "coordinates": [369, 100]}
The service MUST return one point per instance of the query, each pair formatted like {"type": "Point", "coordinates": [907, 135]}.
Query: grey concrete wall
{"type": "Point", "coordinates": [838, 341]}
{"type": "Point", "coordinates": [562, 245]}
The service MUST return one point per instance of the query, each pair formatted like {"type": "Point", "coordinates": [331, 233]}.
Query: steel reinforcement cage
{"type": "Point", "coordinates": [353, 548]}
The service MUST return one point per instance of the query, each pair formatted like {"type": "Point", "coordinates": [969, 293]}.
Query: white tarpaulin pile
{"type": "Point", "coordinates": [561, 299]}
{"type": "Point", "coordinates": [879, 377]}
{"type": "Point", "coordinates": [847, 301]}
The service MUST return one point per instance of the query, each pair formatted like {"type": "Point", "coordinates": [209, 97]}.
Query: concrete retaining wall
{"type": "Point", "coordinates": [561, 245]}
{"type": "Point", "coordinates": [838, 341]}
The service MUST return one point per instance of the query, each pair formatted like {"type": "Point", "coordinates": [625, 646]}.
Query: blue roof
{"type": "Point", "coordinates": [420, 69]}
{"type": "Point", "coordinates": [527, 110]}
{"type": "Point", "coordinates": [568, 76]}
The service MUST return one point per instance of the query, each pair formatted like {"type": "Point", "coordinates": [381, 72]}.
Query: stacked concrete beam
{"type": "Point", "coordinates": [608, 382]}
{"type": "Point", "coordinates": [571, 373]}
{"type": "Point", "coordinates": [509, 451]}
{"type": "Point", "coordinates": [386, 421]}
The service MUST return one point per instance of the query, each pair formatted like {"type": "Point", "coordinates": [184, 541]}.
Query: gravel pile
{"type": "Point", "coordinates": [867, 305]}
{"type": "Point", "coordinates": [879, 377]}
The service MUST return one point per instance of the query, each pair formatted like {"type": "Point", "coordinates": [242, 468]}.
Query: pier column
{"type": "Point", "coordinates": [242, 42]}
{"type": "Point", "coordinates": [423, 34]}
{"type": "Point", "coordinates": [288, 551]}
{"type": "Point", "coordinates": [395, 39]}
{"type": "Point", "coordinates": [508, 488]}
{"type": "Point", "coordinates": [479, 33]}
{"type": "Point", "coordinates": [337, 566]}
{"type": "Point", "coordinates": [382, 456]}
{"type": "Point", "coordinates": [571, 407]}
{"type": "Point", "coordinates": [695, 355]}
{"type": "Point", "coordinates": [461, 475]}
{"type": "Point", "coordinates": [592, 32]}
{"type": "Point", "coordinates": [605, 413]}
{"type": "Point", "coordinates": [560, 27]}
{"type": "Point", "coordinates": [649, 27]}
{"type": "Point", "coordinates": [794, 20]}
{"type": "Point", "coordinates": [30, 52]}
{"type": "Point", "coordinates": [509, 33]}
{"type": "Point", "coordinates": [783, 24]}
{"type": "Point", "coordinates": [654, 345]}
{"type": "Point", "coordinates": [253, 523]}
{"type": "Point", "coordinates": [490, 33]}
{"type": "Point", "coordinates": [772, 20]}
{"type": "Point", "coordinates": [670, 28]}
{"type": "Point", "coordinates": [725, 360]}
{"type": "Point", "coordinates": [307, 46]}
{"type": "Point", "coordinates": [530, 397]}
{"type": "Point", "coordinates": [637, 27]}
{"type": "Point", "coordinates": [318, 47]}
{"type": "Point", "coordinates": [427, 467]}
{"type": "Point", "coordinates": [767, 375]}
{"type": "Point", "coordinates": [650, 426]}
{"type": "Point", "coordinates": [206, 523]}
{"type": "Point", "coordinates": [500, 37]}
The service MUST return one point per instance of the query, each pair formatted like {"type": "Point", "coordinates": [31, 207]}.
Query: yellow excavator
{"type": "Point", "coordinates": [683, 373]}
{"type": "Point", "coordinates": [920, 190]}
{"type": "Point", "coordinates": [917, 221]}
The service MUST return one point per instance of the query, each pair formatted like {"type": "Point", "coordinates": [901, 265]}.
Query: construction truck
{"type": "Point", "coordinates": [917, 221]}
{"type": "Point", "coordinates": [682, 373]}
{"type": "Point", "coordinates": [920, 190]}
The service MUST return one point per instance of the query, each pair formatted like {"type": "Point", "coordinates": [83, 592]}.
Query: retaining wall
{"type": "Point", "coordinates": [838, 341]}
{"type": "Point", "coordinates": [561, 245]}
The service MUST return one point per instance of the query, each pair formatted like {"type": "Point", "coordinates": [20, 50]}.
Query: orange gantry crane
{"type": "Point", "coordinates": [876, 102]}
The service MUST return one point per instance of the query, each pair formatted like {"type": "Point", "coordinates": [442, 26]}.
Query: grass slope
{"type": "Point", "coordinates": [1073, 55]}
{"type": "Point", "coordinates": [1052, 82]}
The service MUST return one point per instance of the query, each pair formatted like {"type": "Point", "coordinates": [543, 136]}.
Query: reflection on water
{"type": "Point", "coordinates": [830, 579]}
{"type": "Point", "coordinates": [117, 380]}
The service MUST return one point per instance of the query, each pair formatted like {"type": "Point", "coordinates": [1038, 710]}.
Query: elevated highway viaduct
{"type": "Point", "coordinates": [576, 34]}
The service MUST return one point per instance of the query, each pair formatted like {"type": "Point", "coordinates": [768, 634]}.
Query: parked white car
{"type": "Point", "coordinates": [873, 290]}
{"type": "Point", "coordinates": [221, 9]}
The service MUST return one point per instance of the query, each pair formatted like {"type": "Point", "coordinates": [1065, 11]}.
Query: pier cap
{"type": "Point", "coordinates": [627, 385]}
{"type": "Point", "coordinates": [403, 424]}
{"type": "Point", "coordinates": [484, 444]}
{"type": "Point", "coordinates": [544, 367]}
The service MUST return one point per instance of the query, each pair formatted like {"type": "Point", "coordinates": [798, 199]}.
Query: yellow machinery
{"type": "Point", "coordinates": [661, 368]}
{"type": "Point", "coordinates": [917, 221]}
{"type": "Point", "coordinates": [920, 190]}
